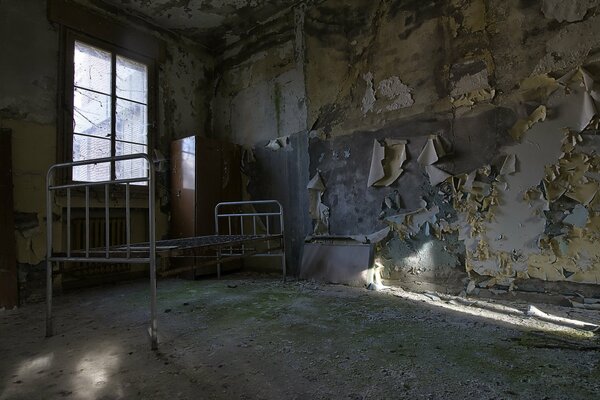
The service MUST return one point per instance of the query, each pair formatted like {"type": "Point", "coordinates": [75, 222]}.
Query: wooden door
{"type": "Point", "coordinates": [8, 263]}
{"type": "Point", "coordinates": [183, 187]}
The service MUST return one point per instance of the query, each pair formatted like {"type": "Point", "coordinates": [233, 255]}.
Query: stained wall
{"type": "Point", "coordinates": [484, 112]}
{"type": "Point", "coordinates": [496, 103]}
{"type": "Point", "coordinates": [29, 79]}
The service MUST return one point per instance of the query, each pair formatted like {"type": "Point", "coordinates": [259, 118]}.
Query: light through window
{"type": "Point", "coordinates": [110, 113]}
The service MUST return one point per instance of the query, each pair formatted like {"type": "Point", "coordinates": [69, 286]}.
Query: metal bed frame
{"type": "Point", "coordinates": [268, 241]}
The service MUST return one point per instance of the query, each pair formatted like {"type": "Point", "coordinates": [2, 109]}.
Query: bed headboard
{"type": "Point", "coordinates": [258, 218]}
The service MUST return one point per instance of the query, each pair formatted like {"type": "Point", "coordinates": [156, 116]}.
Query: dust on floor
{"type": "Point", "coordinates": [249, 337]}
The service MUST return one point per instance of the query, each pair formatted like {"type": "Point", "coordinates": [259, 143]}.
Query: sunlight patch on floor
{"type": "Point", "coordinates": [28, 371]}
{"type": "Point", "coordinates": [491, 311]}
{"type": "Point", "coordinates": [96, 374]}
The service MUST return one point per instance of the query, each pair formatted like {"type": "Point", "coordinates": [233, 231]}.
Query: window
{"type": "Point", "coordinates": [110, 112]}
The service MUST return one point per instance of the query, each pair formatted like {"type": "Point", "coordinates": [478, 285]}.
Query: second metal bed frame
{"type": "Point", "coordinates": [266, 237]}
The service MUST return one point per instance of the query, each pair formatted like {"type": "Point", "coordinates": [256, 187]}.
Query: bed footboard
{"type": "Point", "coordinates": [262, 218]}
{"type": "Point", "coordinates": [107, 254]}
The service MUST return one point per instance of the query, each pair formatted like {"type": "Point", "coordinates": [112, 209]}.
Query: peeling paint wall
{"type": "Point", "coordinates": [28, 81]}
{"type": "Point", "coordinates": [481, 76]}
{"type": "Point", "coordinates": [452, 63]}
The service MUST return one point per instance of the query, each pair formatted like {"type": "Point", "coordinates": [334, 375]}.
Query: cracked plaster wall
{"type": "Point", "coordinates": [28, 82]}
{"type": "Point", "coordinates": [466, 70]}
{"type": "Point", "coordinates": [458, 60]}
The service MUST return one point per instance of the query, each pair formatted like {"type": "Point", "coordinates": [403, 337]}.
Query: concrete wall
{"type": "Point", "coordinates": [474, 73]}
{"type": "Point", "coordinates": [28, 82]}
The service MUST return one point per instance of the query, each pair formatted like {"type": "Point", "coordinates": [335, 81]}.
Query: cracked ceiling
{"type": "Point", "coordinates": [213, 23]}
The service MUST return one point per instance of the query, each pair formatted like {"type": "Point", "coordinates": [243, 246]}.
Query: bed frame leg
{"type": "Point", "coordinates": [153, 322]}
{"type": "Point", "coordinates": [283, 265]}
{"type": "Point", "coordinates": [49, 327]}
{"type": "Point", "coordinates": [218, 264]}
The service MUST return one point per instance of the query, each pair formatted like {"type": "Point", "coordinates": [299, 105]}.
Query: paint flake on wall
{"type": "Point", "coordinates": [523, 125]}
{"type": "Point", "coordinates": [432, 151]}
{"type": "Point", "coordinates": [318, 211]}
{"type": "Point", "coordinates": [436, 175]}
{"type": "Point", "coordinates": [410, 223]}
{"type": "Point", "coordinates": [470, 84]}
{"type": "Point", "coordinates": [386, 162]}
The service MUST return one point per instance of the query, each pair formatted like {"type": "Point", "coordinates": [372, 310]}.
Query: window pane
{"type": "Point", "coordinates": [132, 122]}
{"type": "Point", "coordinates": [91, 113]}
{"type": "Point", "coordinates": [92, 68]}
{"type": "Point", "coordinates": [131, 168]}
{"type": "Point", "coordinates": [86, 148]}
{"type": "Point", "coordinates": [132, 80]}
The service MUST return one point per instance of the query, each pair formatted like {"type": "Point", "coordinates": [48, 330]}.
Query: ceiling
{"type": "Point", "coordinates": [212, 23]}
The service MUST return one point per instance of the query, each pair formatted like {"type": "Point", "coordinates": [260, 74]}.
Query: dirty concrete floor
{"type": "Point", "coordinates": [248, 337]}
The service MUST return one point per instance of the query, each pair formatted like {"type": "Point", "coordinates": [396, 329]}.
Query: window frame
{"type": "Point", "coordinates": [67, 131]}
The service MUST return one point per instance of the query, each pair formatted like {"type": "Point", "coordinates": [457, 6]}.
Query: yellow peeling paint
{"type": "Point", "coordinates": [573, 257]}
{"type": "Point", "coordinates": [537, 88]}
{"type": "Point", "coordinates": [472, 98]}
{"type": "Point", "coordinates": [579, 264]}
{"type": "Point", "coordinates": [522, 125]}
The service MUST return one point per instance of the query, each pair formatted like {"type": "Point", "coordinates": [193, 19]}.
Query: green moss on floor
{"type": "Point", "coordinates": [246, 337]}
{"type": "Point", "coordinates": [364, 333]}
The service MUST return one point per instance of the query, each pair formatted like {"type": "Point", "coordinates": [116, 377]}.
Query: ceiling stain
{"type": "Point", "coordinates": [213, 23]}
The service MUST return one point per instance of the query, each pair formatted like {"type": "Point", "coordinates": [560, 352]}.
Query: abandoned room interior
{"type": "Point", "coordinates": [299, 199]}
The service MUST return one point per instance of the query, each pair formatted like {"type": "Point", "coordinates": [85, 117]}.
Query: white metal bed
{"type": "Point", "coordinates": [249, 229]}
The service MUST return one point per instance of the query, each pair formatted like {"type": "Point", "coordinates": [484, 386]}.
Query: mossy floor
{"type": "Point", "coordinates": [248, 337]}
